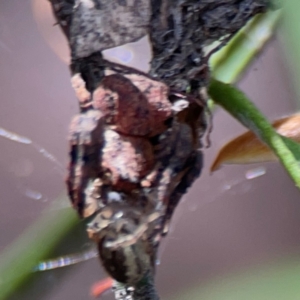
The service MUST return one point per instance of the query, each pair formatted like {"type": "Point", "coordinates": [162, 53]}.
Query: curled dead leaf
{"type": "Point", "coordinates": [247, 148]}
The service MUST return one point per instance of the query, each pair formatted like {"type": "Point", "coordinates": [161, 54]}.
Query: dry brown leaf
{"type": "Point", "coordinates": [247, 148]}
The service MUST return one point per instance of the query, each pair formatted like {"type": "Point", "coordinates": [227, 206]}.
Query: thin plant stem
{"type": "Point", "coordinates": [229, 63]}
{"type": "Point", "coordinates": [143, 290]}
{"type": "Point", "coordinates": [238, 105]}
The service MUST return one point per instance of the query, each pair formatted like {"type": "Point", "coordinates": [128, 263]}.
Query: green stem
{"type": "Point", "coordinates": [229, 63]}
{"type": "Point", "coordinates": [291, 37]}
{"type": "Point", "coordinates": [238, 105]}
{"type": "Point", "coordinates": [143, 290]}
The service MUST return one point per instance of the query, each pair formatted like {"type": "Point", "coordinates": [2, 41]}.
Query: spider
{"type": "Point", "coordinates": [130, 172]}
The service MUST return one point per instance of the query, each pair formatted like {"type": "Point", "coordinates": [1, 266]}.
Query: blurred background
{"type": "Point", "coordinates": [235, 235]}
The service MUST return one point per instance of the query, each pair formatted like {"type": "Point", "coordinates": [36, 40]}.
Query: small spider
{"type": "Point", "coordinates": [134, 151]}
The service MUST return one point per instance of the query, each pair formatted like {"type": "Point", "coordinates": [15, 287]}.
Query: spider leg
{"type": "Point", "coordinates": [192, 171]}
{"type": "Point", "coordinates": [85, 142]}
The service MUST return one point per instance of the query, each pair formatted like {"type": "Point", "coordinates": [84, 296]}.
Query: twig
{"type": "Point", "coordinates": [144, 290]}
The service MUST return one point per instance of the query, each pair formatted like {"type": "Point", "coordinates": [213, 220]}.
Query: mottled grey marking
{"type": "Point", "coordinates": [101, 24]}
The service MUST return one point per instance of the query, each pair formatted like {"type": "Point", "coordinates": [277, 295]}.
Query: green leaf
{"type": "Point", "coordinates": [228, 63]}
{"type": "Point", "coordinates": [231, 61]}
{"type": "Point", "coordinates": [35, 244]}
{"type": "Point", "coordinates": [237, 104]}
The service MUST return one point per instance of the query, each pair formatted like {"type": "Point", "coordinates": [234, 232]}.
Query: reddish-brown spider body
{"type": "Point", "coordinates": [134, 152]}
